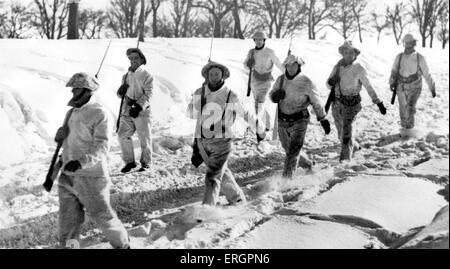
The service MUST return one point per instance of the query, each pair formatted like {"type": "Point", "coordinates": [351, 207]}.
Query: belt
{"type": "Point", "coordinates": [409, 79]}
{"type": "Point", "coordinates": [302, 114]}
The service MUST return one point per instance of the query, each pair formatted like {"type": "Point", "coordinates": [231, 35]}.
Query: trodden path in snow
{"type": "Point", "coordinates": [168, 198]}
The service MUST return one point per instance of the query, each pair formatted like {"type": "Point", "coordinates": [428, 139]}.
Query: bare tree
{"type": "Point", "coordinates": [424, 13]}
{"type": "Point", "coordinates": [218, 9]}
{"type": "Point", "coordinates": [443, 34]}
{"type": "Point", "coordinates": [378, 25]}
{"type": "Point", "coordinates": [16, 21]}
{"type": "Point", "coordinates": [72, 25]}
{"type": "Point", "coordinates": [358, 7]}
{"type": "Point", "coordinates": [398, 20]}
{"type": "Point", "coordinates": [318, 11]}
{"type": "Point", "coordinates": [181, 14]}
{"type": "Point", "coordinates": [51, 19]}
{"type": "Point", "coordinates": [281, 17]}
{"type": "Point", "coordinates": [154, 6]}
{"type": "Point", "coordinates": [237, 7]}
{"type": "Point", "coordinates": [436, 13]}
{"type": "Point", "coordinates": [343, 18]}
{"type": "Point", "coordinates": [142, 21]}
{"type": "Point", "coordinates": [123, 17]}
{"type": "Point", "coordinates": [91, 23]}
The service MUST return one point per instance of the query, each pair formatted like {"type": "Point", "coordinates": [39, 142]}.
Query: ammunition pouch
{"type": "Point", "coordinates": [262, 77]}
{"type": "Point", "coordinates": [409, 79]}
{"type": "Point", "coordinates": [349, 100]}
{"type": "Point", "coordinates": [302, 114]}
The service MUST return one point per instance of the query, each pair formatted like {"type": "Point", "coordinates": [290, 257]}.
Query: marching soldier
{"type": "Point", "coordinates": [215, 107]}
{"type": "Point", "coordinates": [261, 61]}
{"type": "Point", "coordinates": [84, 181]}
{"type": "Point", "coordinates": [348, 78]}
{"type": "Point", "coordinates": [136, 91]}
{"type": "Point", "coordinates": [406, 80]}
{"type": "Point", "coordinates": [294, 92]}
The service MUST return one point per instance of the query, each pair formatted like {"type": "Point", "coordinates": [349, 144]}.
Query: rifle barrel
{"type": "Point", "coordinates": [104, 56]}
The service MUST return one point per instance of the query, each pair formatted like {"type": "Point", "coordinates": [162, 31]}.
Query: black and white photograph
{"type": "Point", "coordinates": [245, 126]}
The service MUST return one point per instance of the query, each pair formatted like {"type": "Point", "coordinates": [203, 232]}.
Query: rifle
{"type": "Point", "coordinates": [331, 97]}
{"type": "Point", "coordinates": [275, 123]}
{"type": "Point", "coordinates": [55, 167]}
{"type": "Point", "coordinates": [395, 83]}
{"type": "Point", "coordinates": [104, 56]}
{"type": "Point", "coordinates": [249, 83]}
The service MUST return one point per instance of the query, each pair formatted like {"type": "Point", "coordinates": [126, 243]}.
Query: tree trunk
{"type": "Point", "coordinates": [424, 40]}
{"type": "Point", "coordinates": [141, 22]}
{"type": "Point", "coordinates": [217, 32]}
{"type": "Point", "coordinates": [237, 21]}
{"type": "Point", "coordinates": [186, 18]}
{"type": "Point", "coordinates": [72, 27]}
{"type": "Point", "coordinates": [155, 23]}
{"type": "Point", "coordinates": [310, 19]}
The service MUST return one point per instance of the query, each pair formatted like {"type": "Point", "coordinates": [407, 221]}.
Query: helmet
{"type": "Point", "coordinates": [408, 38]}
{"type": "Point", "coordinates": [138, 51]}
{"type": "Point", "coordinates": [348, 45]}
{"type": "Point", "coordinates": [208, 66]}
{"type": "Point", "coordinates": [293, 59]}
{"type": "Point", "coordinates": [83, 80]}
{"type": "Point", "coordinates": [259, 35]}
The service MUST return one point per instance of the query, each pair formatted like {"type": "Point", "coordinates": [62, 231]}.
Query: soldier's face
{"type": "Point", "coordinates": [80, 97]}
{"type": "Point", "coordinates": [349, 55]}
{"type": "Point", "coordinates": [77, 92]}
{"type": "Point", "coordinates": [259, 42]}
{"type": "Point", "coordinates": [410, 44]}
{"type": "Point", "coordinates": [215, 75]}
{"type": "Point", "coordinates": [135, 60]}
{"type": "Point", "coordinates": [292, 68]}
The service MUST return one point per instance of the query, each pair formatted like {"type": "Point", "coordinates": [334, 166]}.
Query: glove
{"type": "Point", "coordinates": [326, 126]}
{"type": "Point", "coordinates": [122, 90]}
{"type": "Point", "coordinates": [278, 95]}
{"type": "Point", "coordinates": [332, 81]}
{"type": "Point", "coordinates": [382, 108]}
{"type": "Point", "coordinates": [134, 110]}
{"type": "Point", "coordinates": [393, 87]}
{"type": "Point", "coordinates": [61, 134]}
{"type": "Point", "coordinates": [260, 137]}
{"type": "Point", "coordinates": [72, 166]}
{"type": "Point", "coordinates": [250, 63]}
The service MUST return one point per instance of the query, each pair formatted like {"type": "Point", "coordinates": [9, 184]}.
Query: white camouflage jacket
{"type": "Point", "coordinates": [88, 142]}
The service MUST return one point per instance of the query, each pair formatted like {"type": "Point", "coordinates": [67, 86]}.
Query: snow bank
{"type": "Point", "coordinates": [396, 203]}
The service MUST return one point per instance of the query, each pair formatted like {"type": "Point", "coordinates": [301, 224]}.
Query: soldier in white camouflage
{"type": "Point", "coordinates": [84, 183]}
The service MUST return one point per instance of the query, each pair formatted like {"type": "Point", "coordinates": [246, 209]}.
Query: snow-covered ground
{"type": "Point", "coordinates": [388, 189]}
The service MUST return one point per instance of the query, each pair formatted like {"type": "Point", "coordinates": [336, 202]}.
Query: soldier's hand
{"type": "Point", "coordinates": [393, 87]}
{"type": "Point", "coordinates": [332, 81]}
{"type": "Point", "coordinates": [61, 134]}
{"type": "Point", "coordinates": [250, 63]}
{"type": "Point", "coordinates": [326, 126]}
{"type": "Point", "coordinates": [135, 110]}
{"type": "Point", "coordinates": [278, 95]}
{"type": "Point", "coordinates": [382, 108]}
{"type": "Point", "coordinates": [260, 137]}
{"type": "Point", "coordinates": [122, 90]}
{"type": "Point", "coordinates": [72, 166]}
{"type": "Point", "coordinates": [433, 93]}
